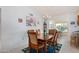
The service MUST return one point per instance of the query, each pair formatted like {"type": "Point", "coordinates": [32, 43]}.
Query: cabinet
{"type": "Point", "coordinates": [78, 20]}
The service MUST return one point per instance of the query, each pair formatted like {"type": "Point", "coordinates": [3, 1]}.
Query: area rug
{"type": "Point", "coordinates": [50, 49]}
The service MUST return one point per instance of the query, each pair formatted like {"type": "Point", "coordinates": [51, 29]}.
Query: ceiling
{"type": "Point", "coordinates": [55, 10]}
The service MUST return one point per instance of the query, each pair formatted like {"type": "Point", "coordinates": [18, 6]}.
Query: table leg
{"type": "Point", "coordinates": [45, 47]}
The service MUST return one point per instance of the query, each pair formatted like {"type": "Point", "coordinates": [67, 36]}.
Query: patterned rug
{"type": "Point", "coordinates": [51, 49]}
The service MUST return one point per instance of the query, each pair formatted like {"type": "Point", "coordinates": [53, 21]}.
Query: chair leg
{"type": "Point", "coordinates": [30, 50]}
{"type": "Point", "coordinates": [37, 50]}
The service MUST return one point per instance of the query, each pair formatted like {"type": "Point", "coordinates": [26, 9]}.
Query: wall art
{"type": "Point", "coordinates": [30, 20]}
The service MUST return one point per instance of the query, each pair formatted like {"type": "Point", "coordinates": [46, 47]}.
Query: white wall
{"type": "Point", "coordinates": [73, 27]}
{"type": "Point", "coordinates": [0, 28]}
{"type": "Point", "coordinates": [14, 33]}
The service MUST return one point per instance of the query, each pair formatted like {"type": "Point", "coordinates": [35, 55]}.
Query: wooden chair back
{"type": "Point", "coordinates": [32, 37]}
{"type": "Point", "coordinates": [56, 37]}
{"type": "Point", "coordinates": [33, 41]}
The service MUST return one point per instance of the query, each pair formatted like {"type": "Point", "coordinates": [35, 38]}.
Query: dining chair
{"type": "Point", "coordinates": [54, 33]}
{"type": "Point", "coordinates": [75, 40]}
{"type": "Point", "coordinates": [55, 39]}
{"type": "Point", "coordinates": [33, 42]}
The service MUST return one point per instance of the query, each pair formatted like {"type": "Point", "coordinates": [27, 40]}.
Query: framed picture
{"type": "Point", "coordinates": [73, 22]}
{"type": "Point", "coordinates": [20, 20]}
{"type": "Point", "coordinates": [30, 21]}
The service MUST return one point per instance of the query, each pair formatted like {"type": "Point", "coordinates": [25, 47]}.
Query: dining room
{"type": "Point", "coordinates": [36, 29]}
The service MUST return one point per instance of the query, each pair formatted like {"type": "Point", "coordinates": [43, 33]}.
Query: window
{"type": "Point", "coordinates": [61, 27]}
{"type": "Point", "coordinates": [51, 25]}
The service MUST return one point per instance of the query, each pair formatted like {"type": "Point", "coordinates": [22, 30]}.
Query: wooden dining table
{"type": "Point", "coordinates": [44, 39]}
